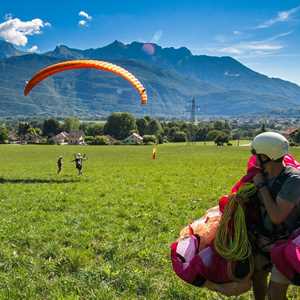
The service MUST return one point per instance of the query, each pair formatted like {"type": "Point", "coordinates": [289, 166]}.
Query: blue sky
{"type": "Point", "coordinates": [263, 35]}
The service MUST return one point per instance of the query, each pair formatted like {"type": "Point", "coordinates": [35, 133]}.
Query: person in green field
{"type": "Point", "coordinates": [59, 164]}
{"type": "Point", "coordinates": [278, 188]}
{"type": "Point", "coordinates": [79, 162]}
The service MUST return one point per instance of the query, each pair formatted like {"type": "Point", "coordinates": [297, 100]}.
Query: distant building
{"type": "Point", "coordinates": [76, 138]}
{"type": "Point", "coordinates": [61, 138]}
{"type": "Point", "coordinates": [32, 139]}
{"type": "Point", "coordinates": [289, 133]}
{"type": "Point", "coordinates": [133, 139]}
{"type": "Point", "coordinates": [13, 138]}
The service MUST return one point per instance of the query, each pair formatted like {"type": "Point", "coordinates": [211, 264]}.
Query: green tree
{"type": "Point", "coordinates": [147, 118]}
{"type": "Point", "coordinates": [3, 135]}
{"type": "Point", "coordinates": [191, 131]}
{"type": "Point", "coordinates": [71, 124]}
{"type": "Point", "coordinates": [101, 140]}
{"type": "Point", "coordinates": [119, 125]}
{"type": "Point", "coordinates": [32, 131]}
{"type": "Point", "coordinates": [142, 126]}
{"type": "Point", "coordinates": [296, 137]}
{"type": "Point", "coordinates": [201, 134]}
{"type": "Point", "coordinates": [23, 129]}
{"type": "Point", "coordinates": [154, 128]}
{"type": "Point", "coordinates": [219, 125]}
{"type": "Point", "coordinates": [170, 132]}
{"type": "Point", "coordinates": [221, 139]}
{"type": "Point", "coordinates": [89, 139]}
{"type": "Point", "coordinates": [84, 126]}
{"type": "Point", "coordinates": [227, 125]}
{"type": "Point", "coordinates": [38, 130]}
{"type": "Point", "coordinates": [97, 129]}
{"type": "Point", "coordinates": [149, 139]}
{"type": "Point", "coordinates": [212, 134]}
{"type": "Point", "coordinates": [51, 127]}
{"type": "Point", "coordinates": [179, 136]}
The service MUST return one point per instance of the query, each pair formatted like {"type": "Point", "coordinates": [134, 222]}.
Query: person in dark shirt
{"type": "Point", "coordinates": [79, 162]}
{"type": "Point", "coordinates": [279, 193]}
{"type": "Point", "coordinates": [59, 164]}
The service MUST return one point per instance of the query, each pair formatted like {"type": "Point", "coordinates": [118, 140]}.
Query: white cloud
{"type": "Point", "coordinates": [85, 15]}
{"type": "Point", "coordinates": [282, 16]}
{"type": "Point", "coordinates": [232, 74]}
{"type": "Point", "coordinates": [16, 31]}
{"type": "Point", "coordinates": [278, 36]}
{"type": "Point", "coordinates": [268, 46]}
{"type": "Point", "coordinates": [88, 18]}
{"type": "Point", "coordinates": [251, 48]}
{"type": "Point", "coordinates": [236, 32]}
{"type": "Point", "coordinates": [157, 36]}
{"type": "Point", "coordinates": [262, 46]}
{"type": "Point", "coordinates": [33, 49]}
{"type": "Point", "coordinates": [82, 23]}
{"type": "Point", "coordinates": [233, 50]}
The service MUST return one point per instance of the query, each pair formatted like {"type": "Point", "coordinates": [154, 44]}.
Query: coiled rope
{"type": "Point", "coordinates": [231, 240]}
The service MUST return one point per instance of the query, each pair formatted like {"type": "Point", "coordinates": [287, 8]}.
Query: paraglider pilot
{"type": "Point", "coordinates": [59, 164]}
{"type": "Point", "coordinates": [78, 162]}
{"type": "Point", "coordinates": [279, 190]}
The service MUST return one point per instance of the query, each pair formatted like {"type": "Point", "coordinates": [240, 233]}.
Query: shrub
{"type": "Point", "coordinates": [90, 140]}
{"type": "Point", "coordinates": [101, 140]}
{"type": "Point", "coordinates": [179, 136]}
{"type": "Point", "coordinates": [149, 139]}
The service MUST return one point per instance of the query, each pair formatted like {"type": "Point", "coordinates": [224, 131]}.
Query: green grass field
{"type": "Point", "coordinates": [106, 234]}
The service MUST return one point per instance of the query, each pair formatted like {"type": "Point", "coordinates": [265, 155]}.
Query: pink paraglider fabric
{"type": "Point", "coordinates": [285, 255]}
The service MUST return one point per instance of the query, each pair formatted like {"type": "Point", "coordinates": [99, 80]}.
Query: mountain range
{"type": "Point", "coordinates": [221, 86]}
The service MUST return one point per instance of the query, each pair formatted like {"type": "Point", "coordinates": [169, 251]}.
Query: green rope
{"type": "Point", "coordinates": [231, 240]}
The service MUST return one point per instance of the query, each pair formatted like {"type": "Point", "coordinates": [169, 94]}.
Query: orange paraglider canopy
{"type": "Point", "coordinates": [80, 64]}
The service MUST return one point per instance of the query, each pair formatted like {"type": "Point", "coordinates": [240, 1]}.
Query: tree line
{"type": "Point", "coordinates": [120, 125]}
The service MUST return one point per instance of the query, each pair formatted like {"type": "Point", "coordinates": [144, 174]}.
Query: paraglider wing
{"type": "Point", "coordinates": [80, 64]}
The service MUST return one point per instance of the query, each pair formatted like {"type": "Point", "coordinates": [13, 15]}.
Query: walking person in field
{"type": "Point", "coordinates": [79, 162]}
{"type": "Point", "coordinates": [277, 241]}
{"type": "Point", "coordinates": [59, 164]}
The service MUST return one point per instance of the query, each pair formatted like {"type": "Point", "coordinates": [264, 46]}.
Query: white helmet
{"type": "Point", "coordinates": [271, 144]}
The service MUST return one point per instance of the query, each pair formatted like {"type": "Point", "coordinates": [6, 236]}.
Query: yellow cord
{"type": "Point", "coordinates": [231, 240]}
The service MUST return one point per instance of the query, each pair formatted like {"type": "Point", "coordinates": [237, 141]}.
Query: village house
{"type": "Point", "coordinates": [61, 138]}
{"type": "Point", "coordinates": [76, 138]}
{"type": "Point", "coordinates": [133, 139]}
{"type": "Point", "coordinates": [32, 139]}
{"type": "Point", "coordinates": [13, 138]}
{"type": "Point", "coordinates": [290, 133]}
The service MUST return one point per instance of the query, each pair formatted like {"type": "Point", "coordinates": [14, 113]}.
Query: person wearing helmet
{"type": "Point", "coordinates": [279, 195]}
{"type": "Point", "coordinates": [79, 162]}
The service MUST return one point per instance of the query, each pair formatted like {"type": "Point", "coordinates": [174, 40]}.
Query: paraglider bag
{"type": "Point", "coordinates": [195, 260]}
{"type": "Point", "coordinates": [285, 255]}
{"type": "Point", "coordinates": [205, 227]}
{"type": "Point", "coordinates": [195, 267]}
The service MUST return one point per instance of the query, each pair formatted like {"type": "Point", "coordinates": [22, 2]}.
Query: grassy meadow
{"type": "Point", "coordinates": [106, 234]}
